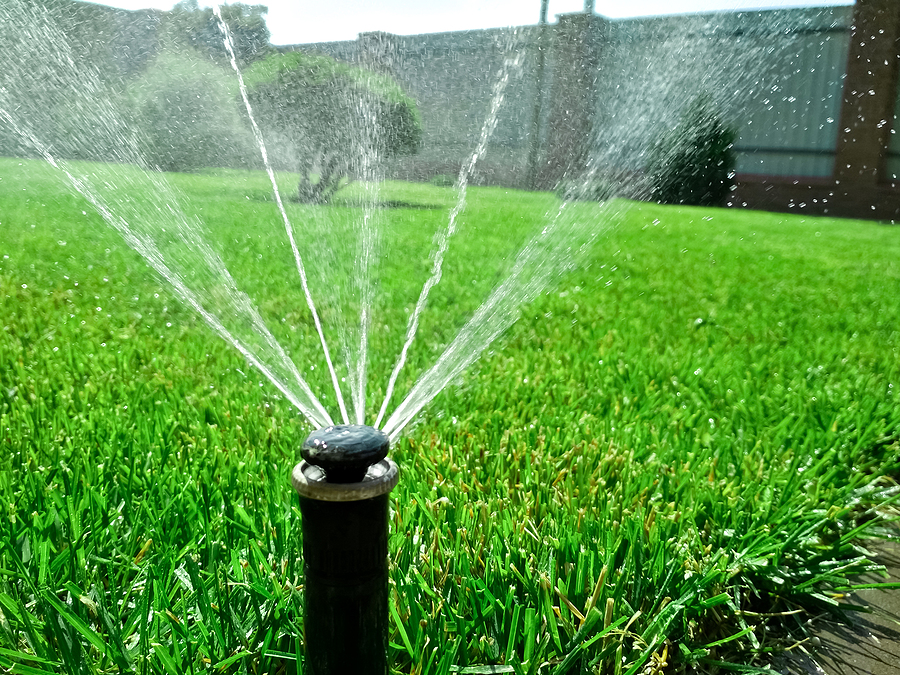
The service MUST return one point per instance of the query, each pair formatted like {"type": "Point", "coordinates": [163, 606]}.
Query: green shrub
{"type": "Point", "coordinates": [190, 26]}
{"type": "Point", "coordinates": [694, 162]}
{"type": "Point", "coordinates": [188, 115]}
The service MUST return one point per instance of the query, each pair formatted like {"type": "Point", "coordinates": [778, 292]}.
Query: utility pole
{"type": "Point", "coordinates": [534, 149]}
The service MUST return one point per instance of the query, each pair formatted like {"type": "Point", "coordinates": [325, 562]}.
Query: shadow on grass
{"type": "Point", "coordinates": [264, 197]}
{"type": "Point", "coordinates": [867, 640]}
{"type": "Point", "coordinates": [385, 204]}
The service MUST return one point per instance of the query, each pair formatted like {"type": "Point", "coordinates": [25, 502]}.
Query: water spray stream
{"type": "Point", "coordinates": [465, 171]}
{"type": "Point", "coordinates": [358, 371]}
{"type": "Point", "coordinates": [367, 245]}
{"type": "Point", "coordinates": [158, 229]}
{"type": "Point", "coordinates": [229, 45]}
{"type": "Point", "coordinates": [311, 408]}
{"type": "Point", "coordinates": [540, 260]}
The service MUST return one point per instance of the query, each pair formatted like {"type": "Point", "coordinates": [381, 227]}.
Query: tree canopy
{"type": "Point", "coordinates": [189, 25]}
{"type": "Point", "coordinates": [328, 120]}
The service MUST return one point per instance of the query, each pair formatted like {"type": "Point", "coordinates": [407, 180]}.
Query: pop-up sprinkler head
{"type": "Point", "coordinates": [343, 483]}
{"type": "Point", "coordinates": [346, 451]}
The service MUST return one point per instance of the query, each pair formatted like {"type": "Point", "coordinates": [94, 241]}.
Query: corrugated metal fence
{"type": "Point", "coordinates": [777, 76]}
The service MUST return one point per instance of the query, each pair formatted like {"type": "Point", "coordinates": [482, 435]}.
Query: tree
{"type": "Point", "coordinates": [694, 162]}
{"type": "Point", "coordinates": [329, 120]}
{"type": "Point", "coordinates": [63, 63]}
{"type": "Point", "coordinates": [190, 26]}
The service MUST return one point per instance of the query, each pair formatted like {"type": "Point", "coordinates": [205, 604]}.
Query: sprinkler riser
{"type": "Point", "coordinates": [345, 552]}
{"type": "Point", "coordinates": [346, 586]}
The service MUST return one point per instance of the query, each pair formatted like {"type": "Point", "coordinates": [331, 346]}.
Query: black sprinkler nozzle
{"type": "Point", "coordinates": [345, 451]}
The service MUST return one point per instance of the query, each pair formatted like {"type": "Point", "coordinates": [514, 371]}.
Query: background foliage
{"type": "Point", "coordinates": [196, 28]}
{"type": "Point", "coordinates": [186, 110]}
{"type": "Point", "coordinates": [693, 163]}
{"type": "Point", "coordinates": [164, 72]}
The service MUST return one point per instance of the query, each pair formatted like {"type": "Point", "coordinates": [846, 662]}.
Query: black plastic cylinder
{"type": "Point", "coordinates": [346, 594]}
{"type": "Point", "coordinates": [343, 484]}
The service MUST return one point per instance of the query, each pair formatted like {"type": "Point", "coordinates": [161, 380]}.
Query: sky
{"type": "Point", "coordinates": [299, 22]}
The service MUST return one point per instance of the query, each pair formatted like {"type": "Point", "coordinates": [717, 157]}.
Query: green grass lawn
{"type": "Point", "coordinates": [687, 437]}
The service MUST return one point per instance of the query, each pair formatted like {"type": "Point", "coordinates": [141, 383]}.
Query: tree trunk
{"type": "Point", "coordinates": [332, 169]}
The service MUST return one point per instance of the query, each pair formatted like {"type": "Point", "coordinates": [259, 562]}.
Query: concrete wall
{"type": "Point", "coordinates": [780, 77]}
{"type": "Point", "coordinates": [776, 75]}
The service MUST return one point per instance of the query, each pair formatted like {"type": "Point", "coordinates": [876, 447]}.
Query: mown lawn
{"type": "Point", "coordinates": [686, 437]}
